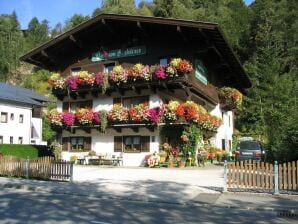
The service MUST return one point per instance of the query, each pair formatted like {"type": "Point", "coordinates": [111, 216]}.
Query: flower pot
{"type": "Point", "coordinates": [171, 163]}
{"type": "Point", "coordinates": [182, 164]}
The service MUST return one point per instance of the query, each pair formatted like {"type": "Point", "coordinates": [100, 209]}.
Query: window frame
{"type": "Point", "coordinates": [72, 106]}
{"type": "Point", "coordinates": [143, 146]}
{"type": "Point", "coordinates": [67, 144]}
{"type": "Point", "coordinates": [20, 140]}
{"type": "Point", "coordinates": [5, 114]}
{"type": "Point", "coordinates": [143, 100]}
{"type": "Point", "coordinates": [21, 118]}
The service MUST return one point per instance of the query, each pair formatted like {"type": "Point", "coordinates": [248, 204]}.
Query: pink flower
{"type": "Point", "coordinates": [160, 72]}
{"type": "Point", "coordinates": [68, 118]}
{"type": "Point", "coordinates": [72, 82]}
{"type": "Point", "coordinates": [96, 117]}
{"type": "Point", "coordinates": [154, 115]}
{"type": "Point", "coordinates": [99, 78]}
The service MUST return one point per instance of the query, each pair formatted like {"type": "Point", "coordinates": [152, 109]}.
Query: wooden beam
{"type": "Point", "coordinates": [205, 37]}
{"type": "Point", "coordinates": [181, 34]}
{"type": "Point", "coordinates": [79, 43]}
{"type": "Point", "coordinates": [107, 26]}
{"type": "Point", "coordinates": [51, 57]}
{"type": "Point", "coordinates": [37, 62]}
{"type": "Point", "coordinates": [139, 25]}
{"type": "Point", "coordinates": [217, 52]}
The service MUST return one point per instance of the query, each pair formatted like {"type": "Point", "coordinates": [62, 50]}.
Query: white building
{"type": "Point", "coordinates": [20, 115]}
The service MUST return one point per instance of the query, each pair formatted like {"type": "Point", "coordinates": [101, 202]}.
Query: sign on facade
{"type": "Point", "coordinates": [201, 71]}
{"type": "Point", "coordinates": [118, 53]}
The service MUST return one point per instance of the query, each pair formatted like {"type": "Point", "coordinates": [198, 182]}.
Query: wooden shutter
{"type": "Point", "coordinates": [65, 106]}
{"type": "Point", "coordinates": [145, 143]}
{"type": "Point", "coordinates": [117, 101]}
{"type": "Point", "coordinates": [87, 143]}
{"type": "Point", "coordinates": [117, 143]}
{"type": "Point", "coordinates": [65, 143]}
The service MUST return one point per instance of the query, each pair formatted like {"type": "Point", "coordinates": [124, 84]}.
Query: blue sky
{"type": "Point", "coordinates": [52, 10]}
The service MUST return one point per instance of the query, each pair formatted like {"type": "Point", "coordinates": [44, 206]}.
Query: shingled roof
{"type": "Point", "coordinates": [15, 94]}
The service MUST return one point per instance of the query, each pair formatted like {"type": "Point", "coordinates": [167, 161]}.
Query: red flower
{"type": "Point", "coordinates": [180, 110]}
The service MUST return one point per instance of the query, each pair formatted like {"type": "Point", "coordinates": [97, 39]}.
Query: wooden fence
{"type": "Point", "coordinates": [288, 176]}
{"type": "Point", "coordinates": [259, 175]}
{"type": "Point", "coordinates": [41, 168]}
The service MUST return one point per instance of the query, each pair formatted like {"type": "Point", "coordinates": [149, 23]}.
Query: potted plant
{"type": "Point", "coordinates": [162, 154]}
{"type": "Point", "coordinates": [171, 161]}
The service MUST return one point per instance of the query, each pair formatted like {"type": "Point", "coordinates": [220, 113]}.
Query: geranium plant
{"type": "Point", "coordinates": [85, 116]}
{"type": "Point", "coordinates": [118, 75]}
{"type": "Point", "coordinates": [230, 97]}
{"type": "Point", "coordinates": [55, 117]}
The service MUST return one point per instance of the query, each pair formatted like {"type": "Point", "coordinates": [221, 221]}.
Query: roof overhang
{"type": "Point", "coordinates": [65, 48]}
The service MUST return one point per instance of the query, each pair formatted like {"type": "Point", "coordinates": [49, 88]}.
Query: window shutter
{"type": "Point", "coordinates": [65, 106]}
{"type": "Point", "coordinates": [145, 143]}
{"type": "Point", "coordinates": [65, 143]}
{"type": "Point", "coordinates": [117, 143]}
{"type": "Point", "coordinates": [87, 143]}
{"type": "Point", "coordinates": [117, 101]}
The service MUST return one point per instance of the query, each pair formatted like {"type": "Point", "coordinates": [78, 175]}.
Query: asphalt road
{"type": "Point", "coordinates": [21, 206]}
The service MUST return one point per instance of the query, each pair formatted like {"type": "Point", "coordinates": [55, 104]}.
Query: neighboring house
{"type": "Point", "coordinates": [21, 115]}
{"type": "Point", "coordinates": [106, 41]}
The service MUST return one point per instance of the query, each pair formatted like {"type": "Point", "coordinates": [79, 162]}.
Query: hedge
{"type": "Point", "coordinates": [24, 151]}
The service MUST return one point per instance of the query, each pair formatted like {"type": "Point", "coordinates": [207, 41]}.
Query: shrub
{"type": "Point", "coordinates": [19, 151]}
{"type": "Point", "coordinates": [56, 149]}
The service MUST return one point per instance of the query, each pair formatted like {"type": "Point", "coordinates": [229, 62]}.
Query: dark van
{"type": "Point", "coordinates": [247, 150]}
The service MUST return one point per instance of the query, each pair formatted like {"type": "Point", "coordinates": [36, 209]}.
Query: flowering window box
{"type": "Point", "coordinates": [230, 98]}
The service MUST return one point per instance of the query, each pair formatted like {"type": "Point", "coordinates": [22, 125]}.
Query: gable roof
{"type": "Point", "coordinates": [53, 53]}
{"type": "Point", "coordinates": [21, 95]}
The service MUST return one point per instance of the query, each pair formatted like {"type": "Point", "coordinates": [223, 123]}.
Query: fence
{"type": "Point", "coordinates": [259, 175]}
{"type": "Point", "coordinates": [41, 168]}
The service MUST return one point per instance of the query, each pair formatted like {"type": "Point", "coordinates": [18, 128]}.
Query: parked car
{"type": "Point", "coordinates": [247, 150]}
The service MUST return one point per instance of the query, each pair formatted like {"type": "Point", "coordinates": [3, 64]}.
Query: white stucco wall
{"type": "Point", "coordinates": [225, 131]}
{"type": "Point", "coordinates": [13, 128]}
{"type": "Point", "coordinates": [37, 131]}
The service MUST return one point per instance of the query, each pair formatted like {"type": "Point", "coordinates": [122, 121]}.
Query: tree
{"type": "Point", "coordinates": [74, 21]}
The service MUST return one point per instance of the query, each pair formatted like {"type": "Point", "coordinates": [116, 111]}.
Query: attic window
{"type": "Point", "coordinates": [75, 71]}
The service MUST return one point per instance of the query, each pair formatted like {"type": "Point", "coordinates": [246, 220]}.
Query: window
{"type": "Point", "coordinates": [75, 71]}
{"type": "Point", "coordinates": [11, 140]}
{"type": "Point", "coordinates": [132, 144]}
{"type": "Point", "coordinates": [21, 118]}
{"type": "Point", "coordinates": [36, 112]}
{"type": "Point", "coordinates": [73, 106]}
{"type": "Point", "coordinates": [76, 144]}
{"type": "Point", "coordinates": [201, 72]}
{"type": "Point", "coordinates": [3, 117]}
{"type": "Point", "coordinates": [109, 67]}
{"type": "Point", "coordinates": [223, 144]}
{"type": "Point", "coordinates": [1, 139]}
{"type": "Point", "coordinates": [163, 61]}
{"type": "Point", "coordinates": [11, 116]}
{"type": "Point", "coordinates": [20, 140]}
{"type": "Point", "coordinates": [133, 101]}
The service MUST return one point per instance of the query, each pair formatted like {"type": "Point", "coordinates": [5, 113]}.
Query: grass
{"type": "Point", "coordinates": [19, 151]}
